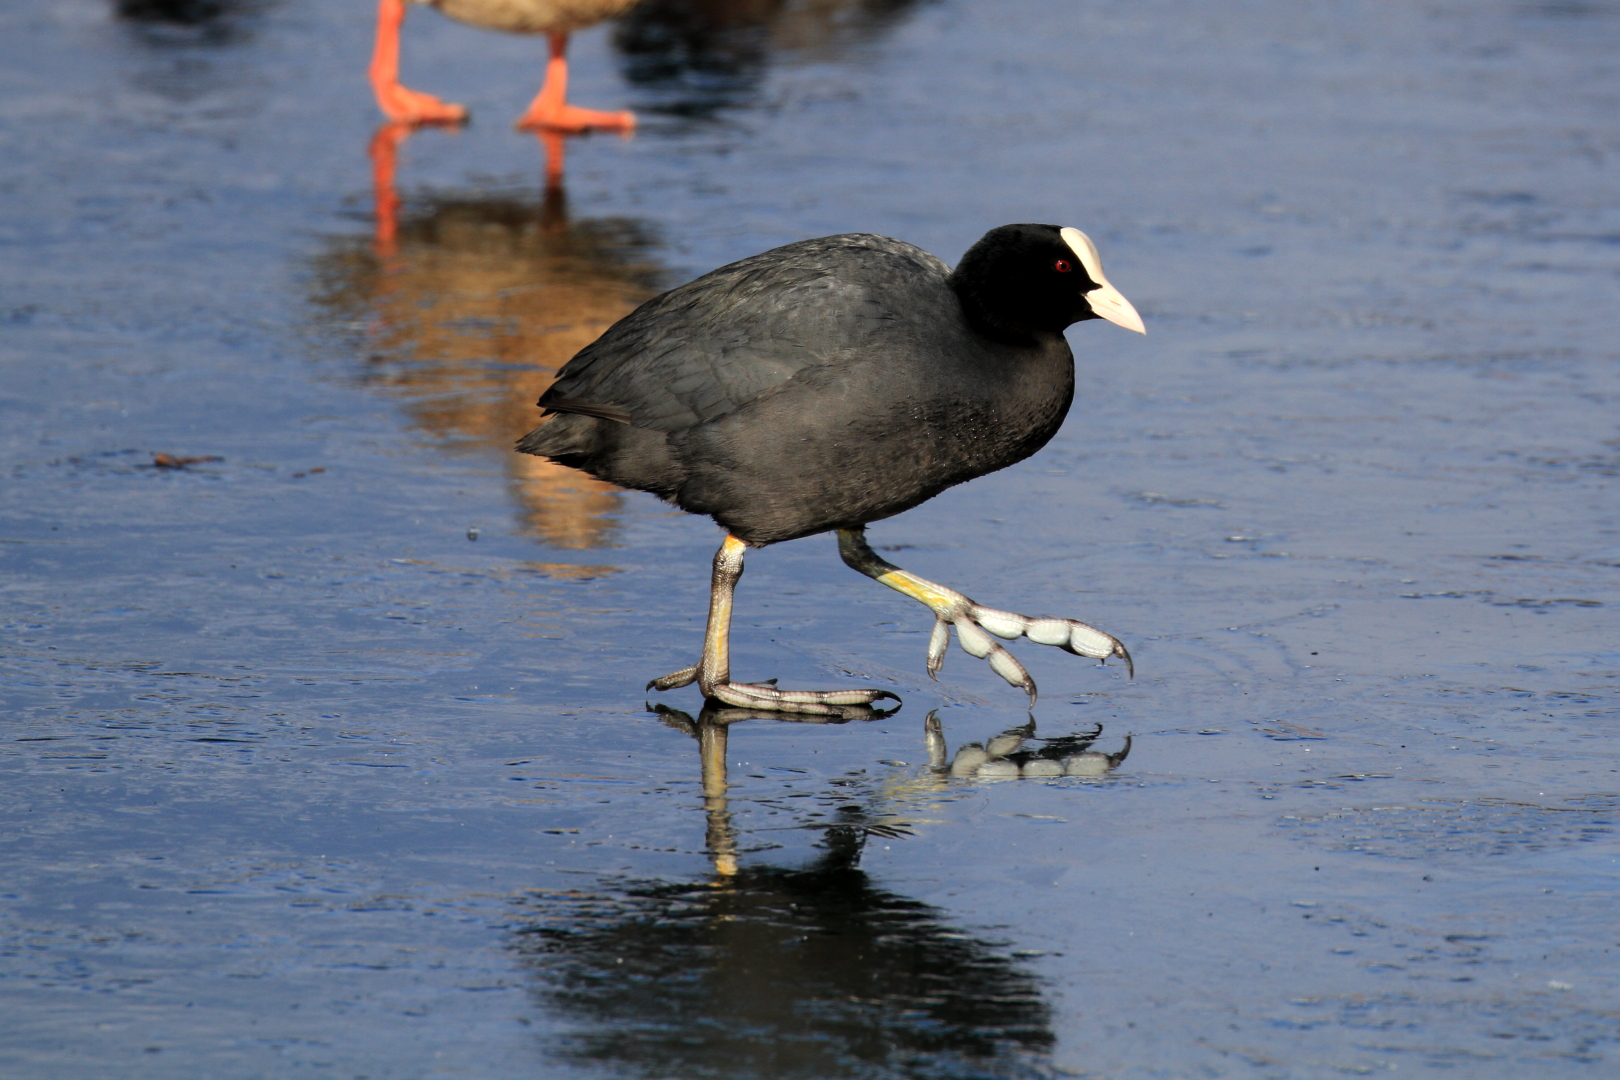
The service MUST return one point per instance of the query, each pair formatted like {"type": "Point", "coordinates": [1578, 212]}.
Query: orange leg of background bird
{"type": "Point", "coordinates": [550, 109]}
{"type": "Point", "coordinates": [398, 102]}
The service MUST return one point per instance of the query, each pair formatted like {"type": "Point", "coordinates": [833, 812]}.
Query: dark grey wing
{"type": "Point", "coordinates": [705, 349]}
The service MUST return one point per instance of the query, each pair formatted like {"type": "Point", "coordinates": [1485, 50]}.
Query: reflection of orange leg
{"type": "Point", "coordinates": [550, 108]}
{"type": "Point", "coordinates": [554, 144]}
{"type": "Point", "coordinates": [554, 204]}
{"type": "Point", "coordinates": [397, 102]}
{"type": "Point", "coordinates": [384, 151]}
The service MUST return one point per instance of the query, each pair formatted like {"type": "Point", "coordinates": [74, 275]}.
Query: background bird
{"type": "Point", "coordinates": [555, 18]}
{"type": "Point", "coordinates": [828, 384]}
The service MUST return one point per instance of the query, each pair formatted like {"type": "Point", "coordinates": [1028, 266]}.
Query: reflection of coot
{"type": "Point", "coordinates": [705, 53]}
{"type": "Point", "coordinates": [775, 972]}
{"type": "Point", "coordinates": [163, 23]}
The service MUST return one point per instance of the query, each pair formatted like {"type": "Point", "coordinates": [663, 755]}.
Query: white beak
{"type": "Point", "coordinates": [1105, 300]}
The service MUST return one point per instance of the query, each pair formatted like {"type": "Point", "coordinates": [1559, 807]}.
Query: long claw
{"type": "Point", "coordinates": [937, 644]}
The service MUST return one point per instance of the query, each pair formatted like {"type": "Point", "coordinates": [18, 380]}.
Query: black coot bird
{"type": "Point", "coordinates": [831, 383]}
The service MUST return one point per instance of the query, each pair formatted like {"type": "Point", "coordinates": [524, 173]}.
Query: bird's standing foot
{"type": "Point", "coordinates": [397, 102]}
{"type": "Point", "coordinates": [713, 672]}
{"type": "Point", "coordinates": [847, 704]}
{"type": "Point", "coordinates": [975, 623]}
{"type": "Point", "coordinates": [404, 105]}
{"type": "Point", "coordinates": [550, 111]}
{"type": "Point", "coordinates": [571, 119]}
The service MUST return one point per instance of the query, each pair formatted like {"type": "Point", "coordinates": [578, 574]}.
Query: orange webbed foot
{"type": "Point", "coordinates": [569, 118]}
{"type": "Point", "coordinates": [408, 106]}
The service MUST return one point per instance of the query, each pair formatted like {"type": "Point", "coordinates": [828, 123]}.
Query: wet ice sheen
{"type": "Point", "coordinates": [298, 780]}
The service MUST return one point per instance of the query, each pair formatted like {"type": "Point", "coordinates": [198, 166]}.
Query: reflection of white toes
{"type": "Point", "coordinates": [1003, 757]}
{"type": "Point", "coordinates": [998, 770]}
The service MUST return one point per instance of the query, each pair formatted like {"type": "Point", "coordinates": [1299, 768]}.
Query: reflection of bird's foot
{"type": "Point", "coordinates": [848, 704]}
{"type": "Point", "coordinates": [972, 621]}
{"type": "Point", "coordinates": [569, 118]}
{"type": "Point", "coordinates": [408, 106]}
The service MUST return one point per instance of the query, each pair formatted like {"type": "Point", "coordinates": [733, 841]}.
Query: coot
{"type": "Point", "coordinates": [831, 383]}
{"type": "Point", "coordinates": [555, 18]}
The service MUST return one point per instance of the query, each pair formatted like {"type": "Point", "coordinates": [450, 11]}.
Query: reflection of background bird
{"type": "Point", "coordinates": [469, 305]}
{"type": "Point", "coordinates": [189, 22]}
{"type": "Point", "coordinates": [697, 55]}
{"type": "Point", "coordinates": [554, 18]}
{"type": "Point", "coordinates": [179, 12]}
{"type": "Point", "coordinates": [770, 971]}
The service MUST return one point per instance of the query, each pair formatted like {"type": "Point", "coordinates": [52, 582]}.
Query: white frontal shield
{"type": "Point", "coordinates": [1105, 300]}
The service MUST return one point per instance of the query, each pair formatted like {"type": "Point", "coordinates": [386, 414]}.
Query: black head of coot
{"type": "Point", "coordinates": [1020, 281]}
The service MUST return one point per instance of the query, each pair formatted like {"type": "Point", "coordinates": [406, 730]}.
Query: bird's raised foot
{"type": "Point", "coordinates": [404, 105]}
{"type": "Point", "coordinates": [571, 119]}
{"type": "Point", "coordinates": [975, 623]}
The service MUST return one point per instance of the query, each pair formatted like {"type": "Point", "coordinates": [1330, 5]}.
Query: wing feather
{"type": "Point", "coordinates": [707, 348]}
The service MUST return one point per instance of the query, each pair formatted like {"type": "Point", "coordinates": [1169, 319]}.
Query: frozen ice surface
{"type": "Point", "coordinates": [298, 781]}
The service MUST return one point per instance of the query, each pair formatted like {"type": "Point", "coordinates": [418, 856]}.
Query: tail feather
{"type": "Point", "coordinates": [560, 435]}
{"type": "Point", "coordinates": [628, 456]}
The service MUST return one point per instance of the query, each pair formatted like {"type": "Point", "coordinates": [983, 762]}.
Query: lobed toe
{"type": "Point", "coordinates": [1004, 624]}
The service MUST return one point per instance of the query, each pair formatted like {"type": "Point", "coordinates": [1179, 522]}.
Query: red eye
{"type": "Point", "coordinates": [1062, 266]}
